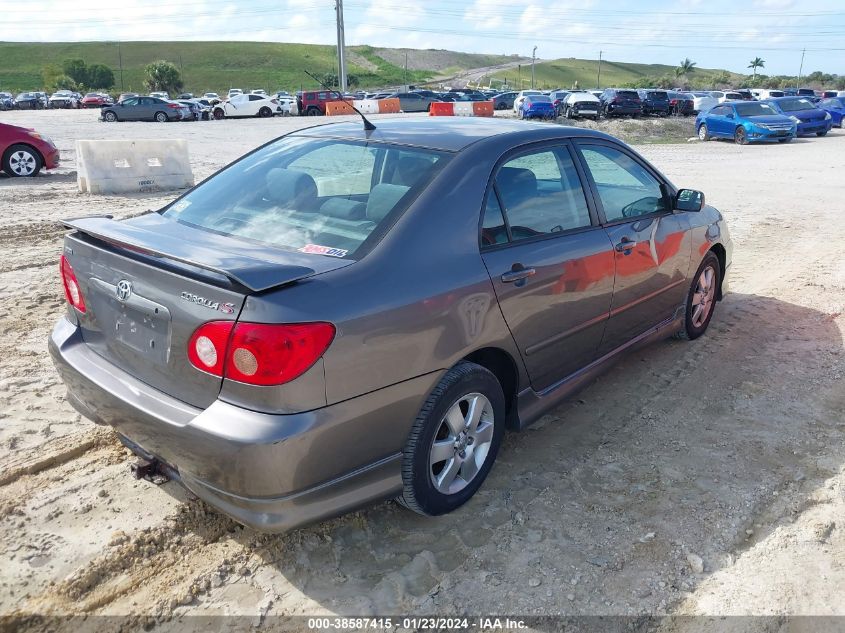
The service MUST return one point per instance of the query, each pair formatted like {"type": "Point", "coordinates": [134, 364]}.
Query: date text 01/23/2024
{"type": "Point", "coordinates": [415, 623]}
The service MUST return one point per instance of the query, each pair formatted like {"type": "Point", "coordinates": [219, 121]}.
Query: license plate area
{"type": "Point", "coordinates": [135, 321]}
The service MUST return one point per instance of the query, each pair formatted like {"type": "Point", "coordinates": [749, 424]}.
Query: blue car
{"type": "Point", "coordinates": [835, 107]}
{"type": "Point", "coordinates": [809, 118]}
{"type": "Point", "coordinates": [745, 122]}
{"type": "Point", "coordinates": [537, 107]}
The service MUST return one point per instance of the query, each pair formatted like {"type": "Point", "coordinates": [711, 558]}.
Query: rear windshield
{"type": "Point", "coordinates": [539, 99]}
{"type": "Point", "coordinates": [775, 93]}
{"type": "Point", "coordinates": [754, 109]}
{"type": "Point", "coordinates": [628, 94]}
{"type": "Point", "coordinates": [327, 197]}
{"type": "Point", "coordinates": [795, 105]}
{"type": "Point", "coordinates": [657, 94]}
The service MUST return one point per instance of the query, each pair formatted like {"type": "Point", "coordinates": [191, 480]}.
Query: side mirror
{"type": "Point", "coordinates": [689, 200]}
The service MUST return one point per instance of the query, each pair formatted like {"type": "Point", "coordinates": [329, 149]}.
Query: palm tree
{"type": "Point", "coordinates": [755, 64]}
{"type": "Point", "coordinates": [686, 66]}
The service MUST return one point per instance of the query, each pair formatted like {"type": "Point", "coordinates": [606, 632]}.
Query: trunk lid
{"type": "Point", "coordinates": [150, 282]}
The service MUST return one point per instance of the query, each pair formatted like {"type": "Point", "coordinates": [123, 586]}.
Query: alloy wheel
{"type": "Point", "coordinates": [702, 298]}
{"type": "Point", "coordinates": [23, 163]}
{"type": "Point", "coordinates": [461, 443]}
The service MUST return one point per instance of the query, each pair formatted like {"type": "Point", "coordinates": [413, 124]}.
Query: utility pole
{"type": "Point", "coordinates": [533, 57]}
{"type": "Point", "coordinates": [341, 53]}
{"type": "Point", "coordinates": [801, 68]}
{"type": "Point", "coordinates": [519, 76]}
{"type": "Point", "coordinates": [598, 79]}
{"type": "Point", "coordinates": [406, 71]}
{"type": "Point", "coordinates": [120, 61]}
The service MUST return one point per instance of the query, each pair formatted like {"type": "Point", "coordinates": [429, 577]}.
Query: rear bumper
{"type": "Point", "coordinates": [270, 472]}
{"type": "Point", "coordinates": [621, 110]}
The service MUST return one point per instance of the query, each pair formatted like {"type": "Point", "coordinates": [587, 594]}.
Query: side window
{"type": "Point", "coordinates": [406, 167]}
{"type": "Point", "coordinates": [130, 102]}
{"type": "Point", "coordinates": [339, 169]}
{"type": "Point", "coordinates": [493, 230]}
{"type": "Point", "coordinates": [626, 188]}
{"type": "Point", "coordinates": [541, 194]}
{"type": "Point", "coordinates": [255, 97]}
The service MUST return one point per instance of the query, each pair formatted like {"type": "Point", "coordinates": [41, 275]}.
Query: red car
{"type": "Point", "coordinates": [93, 100]}
{"type": "Point", "coordinates": [24, 152]}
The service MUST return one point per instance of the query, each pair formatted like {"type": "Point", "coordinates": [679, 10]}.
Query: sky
{"type": "Point", "coordinates": [713, 33]}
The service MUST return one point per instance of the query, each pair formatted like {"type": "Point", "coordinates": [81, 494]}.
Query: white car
{"type": "Point", "coordinates": [287, 102]}
{"type": "Point", "coordinates": [160, 95]}
{"type": "Point", "coordinates": [247, 105]}
{"type": "Point", "coordinates": [580, 104]}
{"type": "Point", "coordinates": [211, 95]}
{"type": "Point", "coordinates": [703, 101]}
{"type": "Point", "coordinates": [64, 99]}
{"type": "Point", "coordinates": [258, 91]}
{"type": "Point", "coordinates": [520, 97]}
{"type": "Point", "coordinates": [233, 92]}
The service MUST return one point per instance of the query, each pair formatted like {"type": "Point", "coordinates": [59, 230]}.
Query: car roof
{"type": "Point", "coordinates": [450, 134]}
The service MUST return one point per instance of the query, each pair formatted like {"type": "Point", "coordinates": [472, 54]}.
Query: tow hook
{"type": "Point", "coordinates": [151, 470]}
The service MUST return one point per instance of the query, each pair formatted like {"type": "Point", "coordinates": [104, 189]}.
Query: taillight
{"type": "Point", "coordinates": [207, 346]}
{"type": "Point", "coordinates": [259, 353]}
{"type": "Point", "coordinates": [73, 294]}
{"type": "Point", "coordinates": [175, 106]}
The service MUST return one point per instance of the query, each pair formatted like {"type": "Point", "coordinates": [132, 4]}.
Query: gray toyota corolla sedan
{"type": "Point", "coordinates": [347, 315]}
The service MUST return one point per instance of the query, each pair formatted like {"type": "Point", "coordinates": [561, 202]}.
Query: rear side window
{"type": "Point", "coordinates": [311, 195]}
{"type": "Point", "coordinates": [626, 188]}
{"type": "Point", "coordinates": [538, 193]}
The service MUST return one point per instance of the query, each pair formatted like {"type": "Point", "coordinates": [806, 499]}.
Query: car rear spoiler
{"type": "Point", "coordinates": [252, 273]}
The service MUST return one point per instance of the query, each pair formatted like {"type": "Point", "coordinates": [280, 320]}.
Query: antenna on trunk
{"type": "Point", "coordinates": [367, 125]}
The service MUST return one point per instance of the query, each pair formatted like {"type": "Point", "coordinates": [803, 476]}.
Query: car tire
{"type": "Point", "coordinates": [22, 161]}
{"type": "Point", "coordinates": [160, 117]}
{"type": "Point", "coordinates": [740, 136]}
{"type": "Point", "coordinates": [703, 132]}
{"type": "Point", "coordinates": [218, 114]}
{"type": "Point", "coordinates": [312, 111]}
{"type": "Point", "coordinates": [703, 289]}
{"type": "Point", "coordinates": [110, 117]}
{"type": "Point", "coordinates": [785, 140]}
{"type": "Point", "coordinates": [265, 112]}
{"type": "Point", "coordinates": [446, 427]}
{"type": "Point", "coordinates": [821, 133]}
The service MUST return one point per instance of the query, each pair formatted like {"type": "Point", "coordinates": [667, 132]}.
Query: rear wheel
{"type": "Point", "coordinates": [703, 132]}
{"type": "Point", "coordinates": [265, 112]}
{"type": "Point", "coordinates": [161, 117]}
{"type": "Point", "coordinates": [740, 136]}
{"type": "Point", "coordinates": [312, 111]}
{"type": "Point", "coordinates": [454, 441]}
{"type": "Point", "coordinates": [21, 161]}
{"type": "Point", "coordinates": [701, 299]}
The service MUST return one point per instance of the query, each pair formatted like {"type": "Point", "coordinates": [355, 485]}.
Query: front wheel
{"type": "Point", "coordinates": [701, 299]}
{"type": "Point", "coordinates": [703, 132]}
{"type": "Point", "coordinates": [454, 441]}
{"type": "Point", "coordinates": [110, 116]}
{"type": "Point", "coordinates": [824, 133]}
{"type": "Point", "coordinates": [218, 114]}
{"type": "Point", "coordinates": [161, 117]}
{"type": "Point", "coordinates": [785, 140]}
{"type": "Point", "coordinates": [21, 161]}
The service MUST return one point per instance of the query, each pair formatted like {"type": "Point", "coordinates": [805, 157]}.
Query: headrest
{"type": "Point", "coordinates": [343, 208]}
{"type": "Point", "coordinates": [409, 169]}
{"type": "Point", "coordinates": [383, 198]}
{"type": "Point", "coordinates": [290, 187]}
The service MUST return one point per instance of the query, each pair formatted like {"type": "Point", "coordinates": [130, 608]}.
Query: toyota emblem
{"type": "Point", "coordinates": [123, 290]}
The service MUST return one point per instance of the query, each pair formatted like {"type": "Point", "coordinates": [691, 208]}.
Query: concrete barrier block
{"type": "Point", "coordinates": [141, 165]}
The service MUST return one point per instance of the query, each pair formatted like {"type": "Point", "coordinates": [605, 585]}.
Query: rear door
{"type": "Point", "coordinates": [652, 246]}
{"type": "Point", "coordinates": [550, 263]}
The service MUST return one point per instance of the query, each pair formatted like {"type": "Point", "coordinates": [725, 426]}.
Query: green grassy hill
{"type": "Point", "coordinates": [563, 73]}
{"type": "Point", "coordinates": [218, 66]}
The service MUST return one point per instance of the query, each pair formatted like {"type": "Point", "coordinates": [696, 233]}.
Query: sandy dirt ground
{"type": "Point", "coordinates": [693, 478]}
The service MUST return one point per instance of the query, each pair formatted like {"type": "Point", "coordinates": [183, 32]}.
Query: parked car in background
{"type": "Point", "coordinates": [211, 95]}
{"type": "Point", "coordinates": [25, 152]}
{"type": "Point", "coordinates": [258, 91]}
{"type": "Point", "coordinates": [412, 101]}
{"type": "Point", "coordinates": [616, 102]}
{"type": "Point", "coordinates": [7, 101]}
{"type": "Point", "coordinates": [520, 97]}
{"type": "Point", "coordinates": [185, 96]}
{"type": "Point", "coordinates": [126, 95]}
{"type": "Point", "coordinates": [805, 92]}
{"type": "Point", "coordinates": [194, 107]}
{"type": "Point", "coordinates": [655, 102]}
{"type": "Point", "coordinates": [764, 93]}
{"type": "Point", "coordinates": [287, 102]}
{"type": "Point", "coordinates": [244, 105]}
{"type": "Point", "coordinates": [145, 109]}
{"type": "Point", "coordinates": [160, 95]}
{"type": "Point", "coordinates": [313, 102]}
{"type": "Point", "coordinates": [205, 106]}
{"type": "Point", "coordinates": [835, 107]}
{"type": "Point", "coordinates": [425, 93]}
{"type": "Point", "coordinates": [93, 100]}
{"type": "Point", "coordinates": [581, 104]}
{"type": "Point", "coordinates": [558, 97]}
{"type": "Point", "coordinates": [234, 91]}
{"type": "Point", "coordinates": [681, 103]}
{"type": "Point", "coordinates": [732, 96]}
{"type": "Point", "coordinates": [28, 101]}
{"type": "Point", "coordinates": [537, 107]}
{"type": "Point", "coordinates": [745, 122]}
{"type": "Point", "coordinates": [504, 101]}
{"type": "Point", "coordinates": [810, 119]}
{"type": "Point", "coordinates": [64, 99]}
{"type": "Point", "coordinates": [703, 101]}
{"type": "Point", "coordinates": [745, 94]}
{"type": "Point", "coordinates": [550, 253]}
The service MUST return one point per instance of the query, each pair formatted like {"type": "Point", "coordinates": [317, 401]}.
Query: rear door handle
{"type": "Point", "coordinates": [517, 275]}
{"type": "Point", "coordinates": [625, 245]}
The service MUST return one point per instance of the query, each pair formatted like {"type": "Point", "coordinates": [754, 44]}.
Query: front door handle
{"type": "Point", "coordinates": [518, 273]}
{"type": "Point", "coordinates": [625, 245]}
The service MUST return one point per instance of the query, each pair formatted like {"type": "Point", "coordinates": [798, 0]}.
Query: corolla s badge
{"type": "Point", "coordinates": [123, 290]}
{"type": "Point", "coordinates": [225, 308]}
